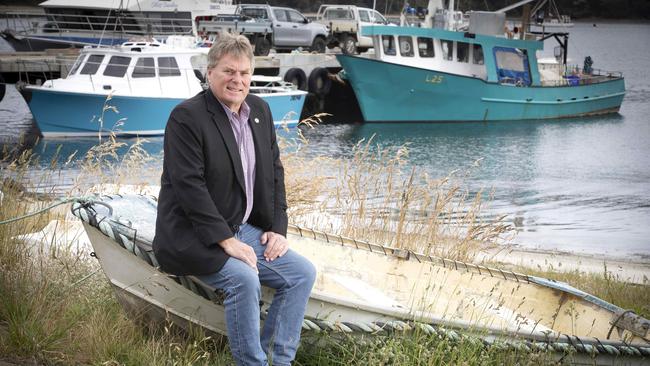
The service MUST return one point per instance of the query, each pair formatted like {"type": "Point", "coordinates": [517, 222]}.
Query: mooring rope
{"type": "Point", "coordinates": [79, 199]}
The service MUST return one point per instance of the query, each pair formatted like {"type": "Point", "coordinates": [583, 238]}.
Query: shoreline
{"type": "Point", "coordinates": [627, 269]}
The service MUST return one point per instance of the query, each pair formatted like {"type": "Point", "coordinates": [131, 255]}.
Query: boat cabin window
{"type": "Point", "coordinates": [405, 46]}
{"type": "Point", "coordinates": [462, 52]}
{"type": "Point", "coordinates": [144, 68]}
{"type": "Point", "coordinates": [117, 66]}
{"type": "Point", "coordinates": [364, 16]}
{"type": "Point", "coordinates": [425, 47]}
{"type": "Point", "coordinates": [167, 66]}
{"type": "Point", "coordinates": [92, 65]}
{"type": "Point", "coordinates": [388, 44]}
{"type": "Point", "coordinates": [447, 50]}
{"type": "Point", "coordinates": [76, 65]}
{"type": "Point", "coordinates": [512, 66]}
{"type": "Point", "coordinates": [477, 56]}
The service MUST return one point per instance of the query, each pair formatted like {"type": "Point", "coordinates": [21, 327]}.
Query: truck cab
{"type": "Point", "coordinates": [290, 29]}
{"type": "Point", "coordinates": [345, 22]}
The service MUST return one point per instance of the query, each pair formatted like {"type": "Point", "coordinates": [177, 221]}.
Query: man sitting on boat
{"type": "Point", "coordinates": [222, 208]}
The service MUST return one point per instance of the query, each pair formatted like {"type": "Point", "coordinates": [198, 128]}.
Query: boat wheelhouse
{"type": "Point", "coordinates": [131, 90]}
{"type": "Point", "coordinates": [475, 74]}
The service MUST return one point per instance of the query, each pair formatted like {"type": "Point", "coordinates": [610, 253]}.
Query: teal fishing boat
{"type": "Point", "coordinates": [466, 67]}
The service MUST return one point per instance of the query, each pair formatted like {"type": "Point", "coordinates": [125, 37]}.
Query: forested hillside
{"type": "Point", "coordinates": [577, 9]}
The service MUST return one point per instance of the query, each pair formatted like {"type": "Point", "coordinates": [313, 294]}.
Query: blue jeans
{"type": "Point", "coordinates": [292, 276]}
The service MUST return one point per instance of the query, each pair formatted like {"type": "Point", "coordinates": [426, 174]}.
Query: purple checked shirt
{"type": "Point", "coordinates": [244, 138]}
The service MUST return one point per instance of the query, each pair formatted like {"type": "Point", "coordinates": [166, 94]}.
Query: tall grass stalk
{"type": "Point", "coordinates": [373, 197]}
{"type": "Point", "coordinates": [57, 308]}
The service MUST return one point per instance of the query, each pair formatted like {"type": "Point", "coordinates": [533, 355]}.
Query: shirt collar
{"type": "Point", "coordinates": [244, 111]}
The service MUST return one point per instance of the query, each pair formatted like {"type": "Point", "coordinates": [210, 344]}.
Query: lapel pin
{"type": "Point", "coordinates": [257, 120]}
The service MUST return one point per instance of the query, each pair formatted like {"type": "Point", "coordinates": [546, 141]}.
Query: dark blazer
{"type": "Point", "coordinates": [202, 197]}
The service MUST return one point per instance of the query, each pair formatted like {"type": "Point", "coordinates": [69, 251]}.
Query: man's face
{"type": "Point", "coordinates": [230, 80]}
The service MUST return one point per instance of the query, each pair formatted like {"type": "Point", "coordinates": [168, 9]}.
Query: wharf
{"type": "Point", "coordinates": [55, 62]}
{"type": "Point", "coordinates": [31, 66]}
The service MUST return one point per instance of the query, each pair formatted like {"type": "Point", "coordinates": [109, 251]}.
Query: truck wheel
{"type": "Point", "coordinates": [296, 77]}
{"type": "Point", "coordinates": [262, 47]}
{"type": "Point", "coordinates": [349, 45]}
{"type": "Point", "coordinates": [319, 45]}
{"type": "Point", "coordinates": [319, 81]}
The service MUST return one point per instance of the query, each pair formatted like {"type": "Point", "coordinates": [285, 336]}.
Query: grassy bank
{"type": "Point", "coordinates": [56, 307]}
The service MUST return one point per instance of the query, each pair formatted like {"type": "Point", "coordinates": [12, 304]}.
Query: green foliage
{"type": "Point", "coordinates": [413, 348]}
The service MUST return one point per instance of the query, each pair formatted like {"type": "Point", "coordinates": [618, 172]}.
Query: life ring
{"type": "Point", "coordinates": [319, 82]}
{"type": "Point", "coordinates": [297, 77]}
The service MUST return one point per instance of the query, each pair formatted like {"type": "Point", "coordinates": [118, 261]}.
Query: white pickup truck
{"type": "Point", "coordinates": [344, 23]}
{"type": "Point", "coordinates": [269, 27]}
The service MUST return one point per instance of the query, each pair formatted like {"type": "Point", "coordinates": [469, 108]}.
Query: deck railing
{"type": "Point", "coordinates": [114, 22]}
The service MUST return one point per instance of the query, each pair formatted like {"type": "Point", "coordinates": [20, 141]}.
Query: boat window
{"type": "Point", "coordinates": [425, 47]}
{"type": "Point", "coordinates": [477, 58]}
{"type": "Point", "coordinates": [447, 50]}
{"type": "Point", "coordinates": [167, 66]}
{"type": "Point", "coordinates": [280, 15]}
{"type": "Point", "coordinates": [92, 65]}
{"type": "Point", "coordinates": [76, 65]}
{"type": "Point", "coordinates": [512, 66]}
{"type": "Point", "coordinates": [144, 68]}
{"type": "Point", "coordinates": [117, 66]}
{"type": "Point", "coordinates": [295, 17]}
{"type": "Point", "coordinates": [388, 44]}
{"type": "Point", "coordinates": [363, 16]}
{"type": "Point", "coordinates": [255, 13]}
{"type": "Point", "coordinates": [462, 52]}
{"type": "Point", "coordinates": [406, 46]}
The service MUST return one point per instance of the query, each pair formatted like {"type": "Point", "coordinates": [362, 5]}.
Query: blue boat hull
{"type": "Point", "coordinates": [393, 92]}
{"type": "Point", "coordinates": [77, 114]}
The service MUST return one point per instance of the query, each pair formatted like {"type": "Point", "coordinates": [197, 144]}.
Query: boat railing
{"type": "Point", "coordinates": [574, 75]}
{"type": "Point", "coordinates": [115, 22]}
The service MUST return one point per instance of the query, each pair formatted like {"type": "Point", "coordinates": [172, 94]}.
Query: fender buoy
{"type": "Point", "coordinates": [297, 77]}
{"type": "Point", "coordinates": [319, 82]}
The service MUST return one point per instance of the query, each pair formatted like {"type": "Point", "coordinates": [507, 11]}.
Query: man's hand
{"type": "Point", "coordinates": [241, 251]}
{"type": "Point", "coordinates": [276, 245]}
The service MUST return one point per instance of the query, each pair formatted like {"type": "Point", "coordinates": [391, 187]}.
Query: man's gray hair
{"type": "Point", "coordinates": [230, 44]}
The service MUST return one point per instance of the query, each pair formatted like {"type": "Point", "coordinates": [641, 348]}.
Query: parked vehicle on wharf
{"type": "Point", "coordinates": [77, 23]}
{"type": "Point", "coordinates": [268, 27]}
{"type": "Point", "coordinates": [143, 81]}
{"type": "Point", "coordinates": [449, 70]}
{"type": "Point", "coordinates": [345, 22]}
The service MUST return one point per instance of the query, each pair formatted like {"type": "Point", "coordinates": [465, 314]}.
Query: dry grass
{"type": "Point", "coordinates": [374, 198]}
{"type": "Point", "coordinates": [56, 308]}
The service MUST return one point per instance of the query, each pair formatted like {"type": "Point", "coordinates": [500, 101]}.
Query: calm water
{"type": "Point", "coordinates": [580, 185]}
